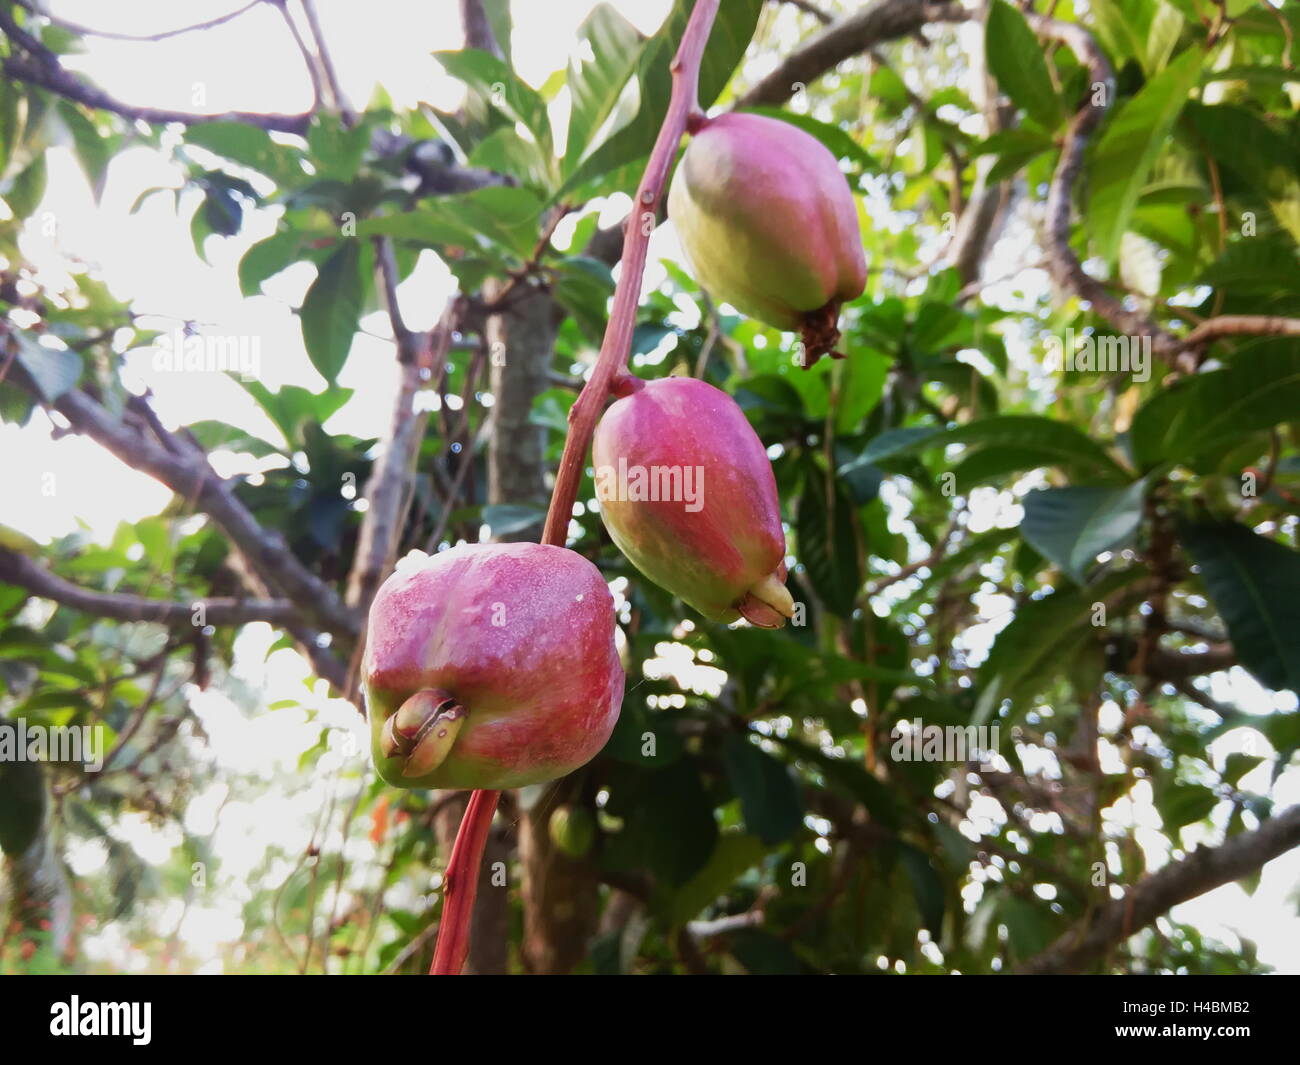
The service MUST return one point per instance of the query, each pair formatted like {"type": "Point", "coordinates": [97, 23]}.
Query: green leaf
{"type": "Point", "coordinates": [500, 88]}
{"type": "Point", "coordinates": [1207, 412]}
{"type": "Point", "coordinates": [10, 120]}
{"type": "Point", "coordinates": [764, 954]}
{"type": "Point", "coordinates": [1256, 264]}
{"type": "Point", "coordinates": [507, 519]}
{"type": "Point", "coordinates": [239, 142]}
{"type": "Point", "coordinates": [93, 151]}
{"type": "Point", "coordinates": [336, 150]}
{"type": "Point", "coordinates": [1244, 143]}
{"type": "Point", "coordinates": [506, 152]}
{"type": "Point", "coordinates": [26, 190]}
{"type": "Point", "coordinates": [769, 800]}
{"type": "Point", "coordinates": [1128, 148]}
{"type": "Point", "coordinates": [1043, 441]}
{"type": "Point", "coordinates": [1162, 34]}
{"type": "Point", "coordinates": [927, 887]}
{"type": "Point", "coordinates": [267, 258]}
{"type": "Point", "coordinates": [583, 286]}
{"type": "Point", "coordinates": [1254, 583]}
{"type": "Point", "coordinates": [1015, 56]}
{"type": "Point", "coordinates": [1237, 765]}
{"type": "Point", "coordinates": [292, 408]}
{"type": "Point", "coordinates": [332, 308]}
{"type": "Point", "coordinates": [730, 36]}
{"type": "Point", "coordinates": [668, 823]}
{"type": "Point", "coordinates": [1029, 925]}
{"type": "Point", "coordinates": [1043, 638]}
{"type": "Point", "coordinates": [609, 47]}
{"type": "Point", "coordinates": [503, 216]}
{"type": "Point", "coordinates": [1182, 804]}
{"type": "Point", "coordinates": [851, 776]}
{"type": "Point", "coordinates": [1072, 526]}
{"type": "Point", "coordinates": [827, 542]}
{"type": "Point", "coordinates": [54, 370]}
{"type": "Point", "coordinates": [734, 854]}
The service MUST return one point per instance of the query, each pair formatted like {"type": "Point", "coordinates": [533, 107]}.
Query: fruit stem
{"type": "Point", "coordinates": [467, 852]}
{"type": "Point", "coordinates": [627, 293]}
{"type": "Point", "coordinates": [461, 885]}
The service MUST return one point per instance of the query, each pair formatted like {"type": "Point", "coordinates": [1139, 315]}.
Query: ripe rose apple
{"type": "Point", "coordinates": [687, 493]}
{"type": "Point", "coordinates": [490, 666]}
{"type": "Point", "coordinates": [769, 224]}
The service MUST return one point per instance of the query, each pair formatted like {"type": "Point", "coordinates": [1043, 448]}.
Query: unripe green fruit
{"type": "Point", "coordinates": [769, 224]}
{"type": "Point", "coordinates": [573, 830]}
{"type": "Point", "coordinates": [490, 666]}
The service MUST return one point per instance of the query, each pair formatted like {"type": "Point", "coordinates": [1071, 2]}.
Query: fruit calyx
{"type": "Point", "coordinates": [422, 730]}
{"type": "Point", "coordinates": [820, 333]}
{"type": "Point", "coordinates": [768, 602]}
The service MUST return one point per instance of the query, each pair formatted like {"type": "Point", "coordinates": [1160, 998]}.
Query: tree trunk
{"type": "Point", "coordinates": [39, 898]}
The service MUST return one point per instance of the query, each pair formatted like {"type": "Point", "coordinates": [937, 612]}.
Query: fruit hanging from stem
{"type": "Point", "coordinates": [490, 666]}
{"type": "Point", "coordinates": [769, 224]}
{"type": "Point", "coordinates": [687, 493]}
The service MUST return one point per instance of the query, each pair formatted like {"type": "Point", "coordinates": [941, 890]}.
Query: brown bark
{"type": "Point", "coordinates": [561, 900]}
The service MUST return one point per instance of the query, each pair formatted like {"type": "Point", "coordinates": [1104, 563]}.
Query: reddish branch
{"type": "Point", "coordinates": [462, 871]}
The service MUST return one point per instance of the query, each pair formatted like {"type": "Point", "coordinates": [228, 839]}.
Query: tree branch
{"type": "Point", "coordinates": [18, 570]}
{"type": "Point", "coordinates": [41, 67]}
{"type": "Point", "coordinates": [1241, 325]}
{"type": "Point", "coordinates": [109, 35]}
{"type": "Point", "coordinates": [1064, 265]}
{"type": "Point", "coordinates": [189, 474]}
{"type": "Point", "coordinates": [870, 25]}
{"type": "Point", "coordinates": [478, 28]}
{"type": "Point", "coordinates": [1203, 870]}
{"type": "Point", "coordinates": [387, 489]}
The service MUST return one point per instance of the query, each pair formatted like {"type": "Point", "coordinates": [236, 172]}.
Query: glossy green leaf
{"type": "Point", "coordinates": [1254, 583]}
{"type": "Point", "coordinates": [1072, 526]}
{"type": "Point", "coordinates": [1015, 56]}
{"type": "Point", "coordinates": [769, 800]}
{"type": "Point", "coordinates": [1133, 138]}
{"type": "Point", "coordinates": [332, 309]}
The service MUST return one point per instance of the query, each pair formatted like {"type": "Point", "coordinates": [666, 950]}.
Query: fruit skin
{"type": "Point", "coordinates": [521, 636]}
{"type": "Point", "coordinates": [573, 830]}
{"type": "Point", "coordinates": [726, 556]}
{"type": "Point", "coordinates": [769, 224]}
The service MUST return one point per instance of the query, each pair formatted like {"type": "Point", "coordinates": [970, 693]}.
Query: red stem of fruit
{"type": "Point", "coordinates": [467, 852]}
{"type": "Point", "coordinates": [627, 293]}
{"type": "Point", "coordinates": [461, 886]}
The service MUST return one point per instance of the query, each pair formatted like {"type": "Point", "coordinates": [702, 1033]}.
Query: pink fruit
{"type": "Point", "coordinates": [687, 493]}
{"type": "Point", "coordinates": [769, 225]}
{"type": "Point", "coordinates": [490, 666]}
